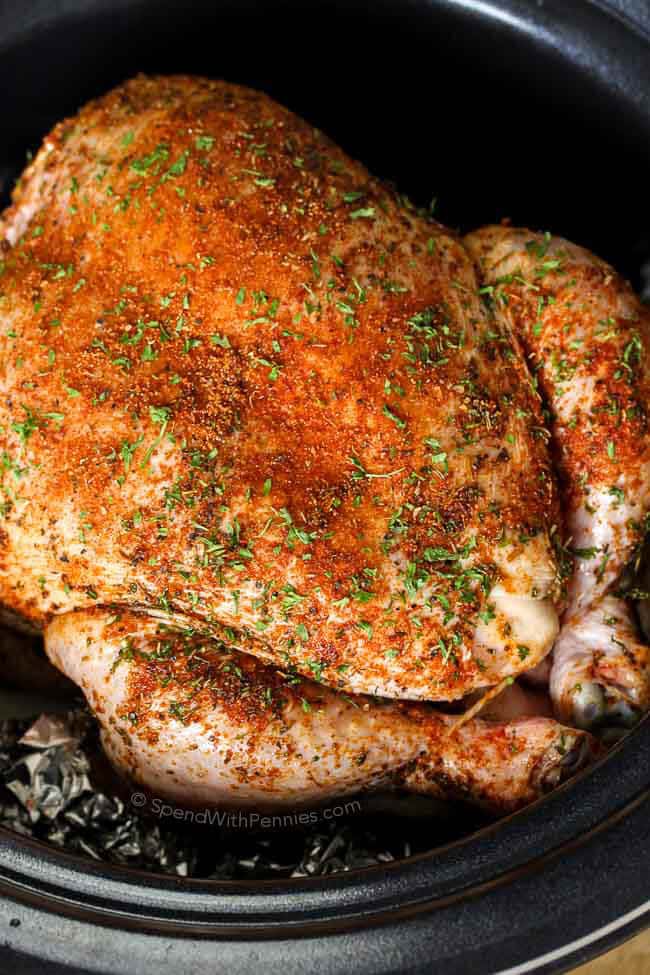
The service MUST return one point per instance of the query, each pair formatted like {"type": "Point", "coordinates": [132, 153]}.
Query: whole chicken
{"type": "Point", "coordinates": [270, 459]}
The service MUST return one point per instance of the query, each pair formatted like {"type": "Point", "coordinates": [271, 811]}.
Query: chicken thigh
{"type": "Point", "coordinates": [191, 720]}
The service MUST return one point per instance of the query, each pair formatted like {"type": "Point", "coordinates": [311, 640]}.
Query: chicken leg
{"type": "Point", "coordinates": [197, 722]}
{"type": "Point", "coordinates": [587, 338]}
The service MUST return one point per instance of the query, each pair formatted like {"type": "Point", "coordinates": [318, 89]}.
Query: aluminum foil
{"type": "Point", "coordinates": [55, 791]}
{"type": "Point", "coordinates": [48, 794]}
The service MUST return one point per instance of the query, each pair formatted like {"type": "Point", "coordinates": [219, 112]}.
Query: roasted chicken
{"type": "Point", "coordinates": [276, 474]}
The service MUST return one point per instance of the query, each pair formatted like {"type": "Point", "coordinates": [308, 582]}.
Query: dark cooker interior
{"type": "Point", "coordinates": [441, 102]}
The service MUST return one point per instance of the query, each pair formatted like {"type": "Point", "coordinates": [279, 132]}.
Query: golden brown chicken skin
{"type": "Point", "coordinates": [243, 382]}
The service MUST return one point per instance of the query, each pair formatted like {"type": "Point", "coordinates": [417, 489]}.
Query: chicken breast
{"type": "Point", "coordinates": [243, 384]}
{"type": "Point", "coordinates": [587, 338]}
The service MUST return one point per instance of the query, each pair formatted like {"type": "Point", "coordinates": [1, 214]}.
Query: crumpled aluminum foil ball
{"type": "Point", "coordinates": [44, 766]}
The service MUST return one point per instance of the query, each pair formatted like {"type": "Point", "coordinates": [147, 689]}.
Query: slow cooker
{"type": "Point", "coordinates": [535, 110]}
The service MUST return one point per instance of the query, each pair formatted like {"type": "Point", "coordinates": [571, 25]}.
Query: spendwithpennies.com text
{"type": "Point", "coordinates": [242, 820]}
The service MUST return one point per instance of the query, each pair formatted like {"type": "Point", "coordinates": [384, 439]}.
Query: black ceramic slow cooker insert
{"type": "Point", "coordinates": [536, 110]}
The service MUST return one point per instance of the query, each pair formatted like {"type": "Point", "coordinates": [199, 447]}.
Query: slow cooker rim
{"type": "Point", "coordinates": [292, 928]}
{"type": "Point", "coordinates": [579, 809]}
{"type": "Point", "coordinates": [502, 933]}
